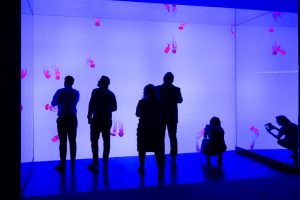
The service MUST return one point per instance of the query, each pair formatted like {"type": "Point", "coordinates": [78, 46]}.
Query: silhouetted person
{"type": "Point", "coordinates": [213, 142]}
{"type": "Point", "coordinates": [101, 105]}
{"type": "Point", "coordinates": [66, 100]}
{"type": "Point", "coordinates": [149, 135]}
{"type": "Point", "coordinates": [287, 135]}
{"type": "Point", "coordinates": [170, 96]}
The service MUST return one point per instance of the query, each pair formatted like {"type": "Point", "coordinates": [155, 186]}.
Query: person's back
{"type": "Point", "coordinates": [103, 103]}
{"type": "Point", "coordinates": [290, 131]}
{"type": "Point", "coordinates": [66, 101]}
{"type": "Point", "coordinates": [216, 139]}
{"type": "Point", "coordinates": [170, 97]}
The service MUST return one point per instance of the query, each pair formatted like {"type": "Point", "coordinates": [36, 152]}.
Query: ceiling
{"type": "Point", "coordinates": [128, 10]}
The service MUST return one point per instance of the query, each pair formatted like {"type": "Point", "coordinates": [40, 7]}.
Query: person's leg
{"type": "Point", "coordinates": [106, 142]}
{"type": "Point", "coordinates": [62, 134]}
{"type": "Point", "coordinates": [208, 158]}
{"type": "Point", "coordinates": [72, 133]}
{"type": "Point", "coordinates": [142, 157]}
{"type": "Point", "coordinates": [94, 137]}
{"type": "Point", "coordinates": [106, 146]}
{"type": "Point", "coordinates": [159, 157]}
{"type": "Point", "coordinates": [172, 131]}
{"type": "Point", "coordinates": [163, 134]}
{"type": "Point", "coordinates": [220, 159]}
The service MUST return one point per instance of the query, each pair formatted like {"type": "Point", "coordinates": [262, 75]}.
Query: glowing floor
{"type": "Point", "coordinates": [41, 179]}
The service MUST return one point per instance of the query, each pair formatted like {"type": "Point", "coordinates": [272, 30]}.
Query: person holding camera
{"type": "Point", "coordinates": [287, 135]}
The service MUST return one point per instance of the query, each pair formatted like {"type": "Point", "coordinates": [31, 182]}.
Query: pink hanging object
{"type": "Point", "coordinates": [23, 73]}
{"type": "Point", "coordinates": [277, 48]}
{"type": "Point", "coordinates": [90, 63]}
{"type": "Point", "coordinates": [174, 47]}
{"type": "Point", "coordinates": [201, 134]}
{"type": "Point", "coordinates": [167, 6]}
{"type": "Point", "coordinates": [174, 9]}
{"type": "Point", "coordinates": [256, 131]}
{"type": "Point", "coordinates": [57, 74]}
{"type": "Point", "coordinates": [114, 130]}
{"type": "Point", "coordinates": [47, 73]}
{"type": "Point", "coordinates": [276, 15]}
{"type": "Point", "coordinates": [97, 22]}
{"type": "Point", "coordinates": [121, 129]}
{"type": "Point", "coordinates": [51, 108]}
{"type": "Point", "coordinates": [271, 29]}
{"type": "Point", "coordinates": [167, 49]}
{"type": "Point", "coordinates": [55, 138]}
{"type": "Point", "coordinates": [181, 26]}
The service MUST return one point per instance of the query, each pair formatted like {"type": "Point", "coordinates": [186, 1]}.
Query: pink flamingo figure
{"type": "Point", "coordinates": [232, 30]}
{"type": "Point", "coordinates": [174, 9]}
{"type": "Point", "coordinates": [91, 63]}
{"type": "Point", "coordinates": [201, 134]}
{"type": "Point", "coordinates": [47, 73]}
{"type": "Point", "coordinates": [167, 6]}
{"type": "Point", "coordinates": [121, 129]}
{"type": "Point", "coordinates": [55, 138]}
{"type": "Point", "coordinates": [256, 131]}
{"type": "Point", "coordinates": [167, 49]}
{"type": "Point", "coordinates": [114, 130]}
{"type": "Point", "coordinates": [97, 22]}
{"type": "Point", "coordinates": [57, 74]}
{"type": "Point", "coordinates": [174, 46]}
{"type": "Point", "coordinates": [271, 29]}
{"type": "Point", "coordinates": [181, 26]}
{"type": "Point", "coordinates": [23, 73]}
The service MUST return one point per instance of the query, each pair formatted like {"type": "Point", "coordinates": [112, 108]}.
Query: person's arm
{"type": "Point", "coordinates": [180, 99]}
{"type": "Point", "coordinates": [206, 130]}
{"type": "Point", "coordinates": [91, 107]}
{"type": "Point", "coordinates": [114, 103]}
{"type": "Point", "coordinates": [54, 101]}
{"type": "Point", "coordinates": [138, 110]}
{"type": "Point", "coordinates": [272, 127]}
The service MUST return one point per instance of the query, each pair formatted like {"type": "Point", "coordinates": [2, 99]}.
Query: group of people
{"type": "Point", "coordinates": [157, 112]}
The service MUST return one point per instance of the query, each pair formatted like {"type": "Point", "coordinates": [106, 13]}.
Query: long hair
{"type": "Point", "coordinates": [150, 92]}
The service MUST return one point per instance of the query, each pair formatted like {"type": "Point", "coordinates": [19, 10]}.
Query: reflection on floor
{"type": "Point", "coordinates": [280, 155]}
{"type": "Point", "coordinates": [122, 174]}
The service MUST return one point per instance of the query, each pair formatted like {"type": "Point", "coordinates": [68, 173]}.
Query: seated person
{"type": "Point", "coordinates": [213, 143]}
{"type": "Point", "coordinates": [287, 135]}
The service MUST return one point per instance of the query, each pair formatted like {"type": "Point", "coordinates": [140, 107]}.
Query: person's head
{"type": "Point", "coordinates": [282, 120]}
{"type": "Point", "coordinates": [69, 81]}
{"type": "Point", "coordinates": [215, 121]}
{"type": "Point", "coordinates": [149, 91]}
{"type": "Point", "coordinates": [168, 78]}
{"type": "Point", "coordinates": [104, 82]}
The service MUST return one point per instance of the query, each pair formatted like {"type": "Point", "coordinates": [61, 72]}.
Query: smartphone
{"type": "Point", "coordinates": [268, 126]}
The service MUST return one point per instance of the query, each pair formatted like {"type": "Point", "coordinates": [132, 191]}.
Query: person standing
{"type": "Point", "coordinates": [101, 105]}
{"type": "Point", "coordinates": [170, 97]}
{"type": "Point", "coordinates": [149, 135]}
{"type": "Point", "coordinates": [66, 100]}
